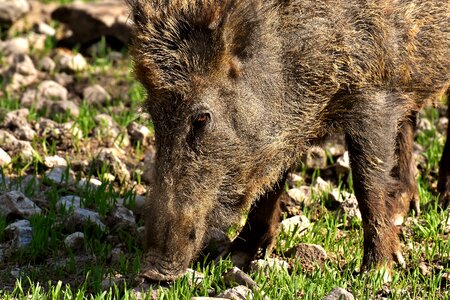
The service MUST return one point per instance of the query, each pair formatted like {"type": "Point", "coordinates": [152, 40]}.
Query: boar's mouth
{"type": "Point", "coordinates": [157, 268]}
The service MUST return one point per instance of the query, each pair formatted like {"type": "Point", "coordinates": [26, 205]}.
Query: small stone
{"type": "Point", "coordinates": [299, 195]}
{"type": "Point", "coordinates": [96, 95]}
{"type": "Point", "coordinates": [309, 255]}
{"type": "Point", "coordinates": [122, 218]}
{"type": "Point", "coordinates": [443, 124]}
{"type": "Point", "coordinates": [74, 241]}
{"type": "Point", "coordinates": [25, 133]}
{"type": "Point", "coordinates": [240, 292]}
{"type": "Point", "coordinates": [60, 175]}
{"type": "Point", "coordinates": [11, 10]}
{"type": "Point", "coordinates": [208, 298]}
{"type": "Point", "coordinates": [68, 202]}
{"type": "Point", "coordinates": [81, 217]}
{"type": "Point", "coordinates": [264, 265]}
{"type": "Point", "coordinates": [108, 157]}
{"type": "Point", "coordinates": [64, 107]}
{"type": "Point", "coordinates": [36, 41]}
{"type": "Point", "coordinates": [424, 124]}
{"type": "Point", "coordinates": [424, 269]}
{"type": "Point", "coordinates": [20, 233]}
{"type": "Point", "coordinates": [92, 183]}
{"type": "Point", "coordinates": [343, 164]}
{"type": "Point", "coordinates": [47, 64]}
{"type": "Point", "coordinates": [297, 224]}
{"type": "Point", "coordinates": [17, 204]}
{"type": "Point", "coordinates": [116, 254]}
{"type": "Point", "coordinates": [236, 275]}
{"type": "Point", "coordinates": [64, 79]}
{"type": "Point", "coordinates": [5, 159]}
{"type": "Point", "coordinates": [55, 161]}
{"type": "Point", "coordinates": [25, 151]}
{"type": "Point", "coordinates": [21, 73]}
{"type": "Point", "coordinates": [15, 46]}
{"type": "Point", "coordinates": [69, 62]}
{"type": "Point", "coordinates": [138, 133]}
{"type": "Point", "coordinates": [17, 122]}
{"type": "Point", "coordinates": [52, 91]}
{"type": "Point", "coordinates": [321, 185]}
{"type": "Point", "coordinates": [111, 281]}
{"type": "Point", "coordinates": [29, 99]}
{"type": "Point", "coordinates": [339, 294]}
{"type": "Point", "coordinates": [73, 130]}
{"type": "Point", "coordinates": [139, 204]}
{"type": "Point", "coordinates": [195, 278]}
{"type": "Point", "coordinates": [349, 206]}
{"type": "Point", "coordinates": [294, 180]}
{"type": "Point", "coordinates": [44, 28]}
{"type": "Point", "coordinates": [316, 158]}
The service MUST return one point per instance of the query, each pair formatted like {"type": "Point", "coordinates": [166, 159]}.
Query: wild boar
{"type": "Point", "coordinates": [239, 89]}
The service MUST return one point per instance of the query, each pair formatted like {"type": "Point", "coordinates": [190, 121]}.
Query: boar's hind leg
{"type": "Point", "coordinates": [444, 165]}
{"type": "Point", "coordinates": [371, 132]}
{"type": "Point", "coordinates": [405, 171]}
{"type": "Point", "coordinates": [260, 230]}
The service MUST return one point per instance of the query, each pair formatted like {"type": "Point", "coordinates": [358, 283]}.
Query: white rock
{"type": "Point", "coordinates": [64, 107]}
{"type": "Point", "coordinates": [66, 61]}
{"type": "Point", "coordinates": [5, 159]}
{"type": "Point", "coordinates": [321, 185]}
{"type": "Point", "coordinates": [300, 194]}
{"type": "Point", "coordinates": [240, 292]}
{"type": "Point", "coordinates": [92, 183]}
{"type": "Point", "coordinates": [47, 64]}
{"type": "Point", "coordinates": [74, 241]}
{"type": "Point", "coordinates": [237, 276]}
{"type": "Point", "coordinates": [339, 294]}
{"type": "Point", "coordinates": [299, 224]}
{"type": "Point", "coordinates": [123, 218]}
{"type": "Point", "coordinates": [15, 46]}
{"type": "Point", "coordinates": [55, 161]}
{"type": "Point", "coordinates": [17, 204]}
{"type": "Point", "coordinates": [68, 202]}
{"type": "Point", "coordinates": [11, 10]}
{"type": "Point", "coordinates": [264, 265]}
{"type": "Point", "coordinates": [294, 180]}
{"type": "Point", "coordinates": [21, 74]}
{"type": "Point", "coordinates": [20, 233]}
{"type": "Point", "coordinates": [138, 133]}
{"type": "Point", "coordinates": [44, 28]}
{"type": "Point", "coordinates": [343, 164]}
{"type": "Point", "coordinates": [74, 130]}
{"type": "Point", "coordinates": [59, 175]}
{"type": "Point", "coordinates": [96, 95]}
{"type": "Point", "coordinates": [80, 217]}
{"type": "Point", "coordinates": [51, 90]}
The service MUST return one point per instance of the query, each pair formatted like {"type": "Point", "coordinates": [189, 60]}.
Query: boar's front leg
{"type": "Point", "coordinates": [371, 124]}
{"type": "Point", "coordinates": [444, 165]}
{"type": "Point", "coordinates": [260, 230]}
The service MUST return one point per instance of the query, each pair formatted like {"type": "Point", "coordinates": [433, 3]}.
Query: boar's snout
{"type": "Point", "coordinates": [172, 239]}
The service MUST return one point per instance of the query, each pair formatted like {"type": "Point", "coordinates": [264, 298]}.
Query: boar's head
{"type": "Point", "coordinates": [213, 77]}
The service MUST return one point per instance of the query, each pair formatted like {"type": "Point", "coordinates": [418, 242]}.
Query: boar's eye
{"type": "Point", "coordinates": [200, 120]}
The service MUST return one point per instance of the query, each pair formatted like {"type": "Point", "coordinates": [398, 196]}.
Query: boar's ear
{"type": "Point", "coordinates": [243, 26]}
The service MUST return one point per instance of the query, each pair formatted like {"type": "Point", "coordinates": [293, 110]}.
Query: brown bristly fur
{"type": "Point", "coordinates": [271, 78]}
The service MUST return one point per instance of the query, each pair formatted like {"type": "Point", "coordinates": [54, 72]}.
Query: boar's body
{"type": "Point", "coordinates": [238, 90]}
